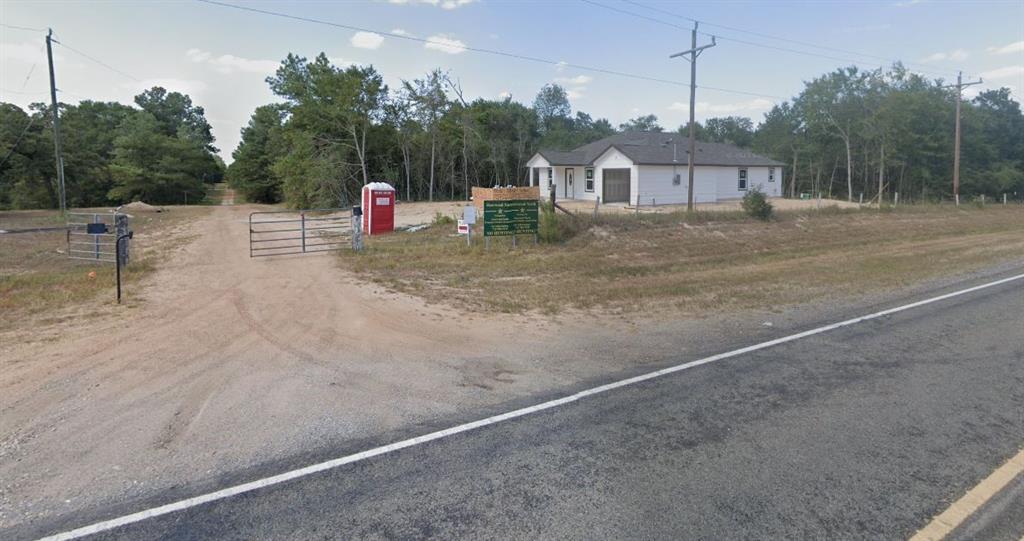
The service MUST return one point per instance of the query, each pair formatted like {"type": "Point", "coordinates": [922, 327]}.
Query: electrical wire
{"type": "Point", "coordinates": [495, 52]}
{"type": "Point", "coordinates": [98, 61]}
{"type": "Point", "coordinates": [27, 29]}
{"type": "Point", "coordinates": [32, 120]}
{"type": "Point", "coordinates": [778, 38]}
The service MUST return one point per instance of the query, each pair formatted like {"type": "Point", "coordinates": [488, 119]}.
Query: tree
{"type": "Point", "coordinates": [430, 103]}
{"type": "Point", "coordinates": [251, 171]}
{"type": "Point", "coordinates": [151, 166]}
{"type": "Point", "coordinates": [176, 116]}
{"type": "Point", "coordinates": [551, 105]}
{"type": "Point", "coordinates": [641, 123]}
{"type": "Point", "coordinates": [735, 130]}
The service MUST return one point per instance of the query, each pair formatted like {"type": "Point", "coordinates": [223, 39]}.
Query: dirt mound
{"type": "Point", "coordinates": [139, 206]}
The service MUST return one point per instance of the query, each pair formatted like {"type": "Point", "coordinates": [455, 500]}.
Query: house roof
{"type": "Point", "coordinates": [655, 148]}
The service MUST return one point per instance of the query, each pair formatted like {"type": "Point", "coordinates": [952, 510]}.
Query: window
{"type": "Point", "coordinates": [589, 186]}
{"type": "Point", "coordinates": [771, 174]}
{"type": "Point", "coordinates": [550, 169]}
{"type": "Point", "coordinates": [677, 179]}
{"type": "Point", "coordinates": [743, 180]}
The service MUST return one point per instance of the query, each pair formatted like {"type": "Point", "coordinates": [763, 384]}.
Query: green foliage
{"type": "Point", "coordinates": [756, 205]}
{"type": "Point", "coordinates": [553, 227]}
{"type": "Point", "coordinates": [442, 219]}
{"type": "Point", "coordinates": [641, 123]}
{"type": "Point", "coordinates": [112, 153]}
{"type": "Point", "coordinates": [251, 173]}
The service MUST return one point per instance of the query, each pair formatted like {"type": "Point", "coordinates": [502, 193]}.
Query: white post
{"type": "Point", "coordinates": [896, 199]}
{"type": "Point", "coordinates": [957, 196]}
{"type": "Point", "coordinates": [1004, 198]}
{"type": "Point", "coordinates": [983, 200]}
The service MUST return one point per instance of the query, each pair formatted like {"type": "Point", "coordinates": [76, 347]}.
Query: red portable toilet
{"type": "Point", "coordinates": [378, 208]}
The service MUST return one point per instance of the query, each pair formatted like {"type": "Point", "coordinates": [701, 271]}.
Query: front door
{"type": "Point", "coordinates": [570, 189]}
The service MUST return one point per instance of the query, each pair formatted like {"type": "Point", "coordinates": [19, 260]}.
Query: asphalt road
{"type": "Point", "coordinates": [862, 432]}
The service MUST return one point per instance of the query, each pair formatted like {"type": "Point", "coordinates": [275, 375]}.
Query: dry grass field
{"type": "Point", "coordinates": [36, 276]}
{"type": "Point", "coordinates": [696, 264]}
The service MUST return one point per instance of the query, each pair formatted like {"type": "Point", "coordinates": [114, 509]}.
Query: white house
{"type": "Point", "coordinates": [651, 167]}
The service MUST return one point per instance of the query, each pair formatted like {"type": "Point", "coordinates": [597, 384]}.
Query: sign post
{"type": "Point", "coordinates": [468, 220]}
{"type": "Point", "coordinates": [510, 218]}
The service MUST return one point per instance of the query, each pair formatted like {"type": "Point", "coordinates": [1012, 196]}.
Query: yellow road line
{"type": "Point", "coordinates": [941, 525]}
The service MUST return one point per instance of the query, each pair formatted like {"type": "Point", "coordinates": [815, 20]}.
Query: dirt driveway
{"type": "Point", "coordinates": [222, 362]}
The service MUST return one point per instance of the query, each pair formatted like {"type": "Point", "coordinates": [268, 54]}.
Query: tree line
{"type": "Point", "coordinates": [160, 151]}
{"type": "Point", "coordinates": [848, 132]}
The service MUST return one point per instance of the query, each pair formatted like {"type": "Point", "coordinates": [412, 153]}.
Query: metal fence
{"type": "Point", "coordinates": [299, 231]}
{"type": "Point", "coordinates": [93, 236]}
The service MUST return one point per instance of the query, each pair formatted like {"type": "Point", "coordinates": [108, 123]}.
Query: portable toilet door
{"type": "Point", "coordinates": [378, 208]}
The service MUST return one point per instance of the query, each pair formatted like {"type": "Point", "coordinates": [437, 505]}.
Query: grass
{"type": "Point", "coordinates": [695, 263]}
{"type": "Point", "coordinates": [37, 278]}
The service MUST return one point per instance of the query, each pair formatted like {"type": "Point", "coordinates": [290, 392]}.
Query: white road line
{"type": "Point", "coordinates": [377, 451]}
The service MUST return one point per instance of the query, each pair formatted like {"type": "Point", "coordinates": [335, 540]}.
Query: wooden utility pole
{"type": "Point", "coordinates": [956, 145]}
{"type": "Point", "coordinates": [694, 52]}
{"type": "Point", "coordinates": [56, 126]}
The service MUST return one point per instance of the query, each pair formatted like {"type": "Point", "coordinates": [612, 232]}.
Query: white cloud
{"type": "Point", "coordinates": [906, 3]}
{"type": "Point", "coordinates": [574, 93]}
{"type": "Point", "coordinates": [229, 63]}
{"type": "Point", "coordinates": [560, 66]}
{"type": "Point", "coordinates": [367, 40]}
{"type": "Point", "coordinates": [400, 32]}
{"type": "Point", "coordinates": [956, 55]}
{"type": "Point", "coordinates": [505, 94]}
{"type": "Point", "coordinates": [1007, 72]}
{"type": "Point", "coordinates": [1015, 47]}
{"type": "Point", "coordinates": [577, 80]}
{"type": "Point", "coordinates": [445, 43]}
{"type": "Point", "coordinates": [443, 4]}
{"type": "Point", "coordinates": [703, 107]}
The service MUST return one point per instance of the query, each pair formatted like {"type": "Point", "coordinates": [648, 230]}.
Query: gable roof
{"type": "Point", "coordinates": [655, 148]}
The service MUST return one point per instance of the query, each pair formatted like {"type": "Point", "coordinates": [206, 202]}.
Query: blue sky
{"type": "Point", "coordinates": [220, 56]}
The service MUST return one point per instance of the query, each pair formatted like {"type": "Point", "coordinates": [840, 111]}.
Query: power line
{"type": "Point", "coordinates": [98, 61]}
{"type": "Point", "coordinates": [25, 28]}
{"type": "Point", "coordinates": [484, 50]}
{"type": "Point", "coordinates": [31, 120]}
{"type": "Point", "coordinates": [787, 40]}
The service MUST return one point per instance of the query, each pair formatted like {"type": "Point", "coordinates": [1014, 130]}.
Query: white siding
{"type": "Point", "coordinates": [728, 181]}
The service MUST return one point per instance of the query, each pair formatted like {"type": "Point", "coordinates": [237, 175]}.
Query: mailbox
{"type": "Point", "coordinates": [378, 208]}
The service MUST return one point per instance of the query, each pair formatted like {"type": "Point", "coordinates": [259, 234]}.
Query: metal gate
{"type": "Point", "coordinates": [92, 236]}
{"type": "Point", "coordinates": [299, 231]}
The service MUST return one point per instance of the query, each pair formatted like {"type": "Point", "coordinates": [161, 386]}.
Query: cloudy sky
{"type": "Point", "coordinates": [221, 56]}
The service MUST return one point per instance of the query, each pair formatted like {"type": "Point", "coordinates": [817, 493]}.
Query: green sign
{"type": "Point", "coordinates": [508, 218]}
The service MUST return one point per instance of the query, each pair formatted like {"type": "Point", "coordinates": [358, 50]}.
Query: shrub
{"type": "Point", "coordinates": [756, 205]}
{"type": "Point", "coordinates": [554, 227]}
{"type": "Point", "coordinates": [442, 219]}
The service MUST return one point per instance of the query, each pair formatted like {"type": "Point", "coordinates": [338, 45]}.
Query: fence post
{"type": "Point", "coordinates": [1004, 198]}
{"type": "Point", "coordinates": [357, 228]}
{"type": "Point", "coordinates": [896, 199]}
{"type": "Point", "coordinates": [120, 229]}
{"type": "Point", "coordinates": [302, 217]}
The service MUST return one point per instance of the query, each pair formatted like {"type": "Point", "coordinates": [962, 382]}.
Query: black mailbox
{"type": "Point", "coordinates": [96, 229]}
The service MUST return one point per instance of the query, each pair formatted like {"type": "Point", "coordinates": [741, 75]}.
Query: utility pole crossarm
{"type": "Point", "coordinates": [696, 51]}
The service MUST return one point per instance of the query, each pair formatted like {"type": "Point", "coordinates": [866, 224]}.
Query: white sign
{"type": "Point", "coordinates": [469, 215]}
{"type": "Point", "coordinates": [463, 228]}
{"type": "Point", "coordinates": [383, 201]}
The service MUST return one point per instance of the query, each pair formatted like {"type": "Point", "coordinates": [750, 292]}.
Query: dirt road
{"type": "Point", "coordinates": [224, 362]}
